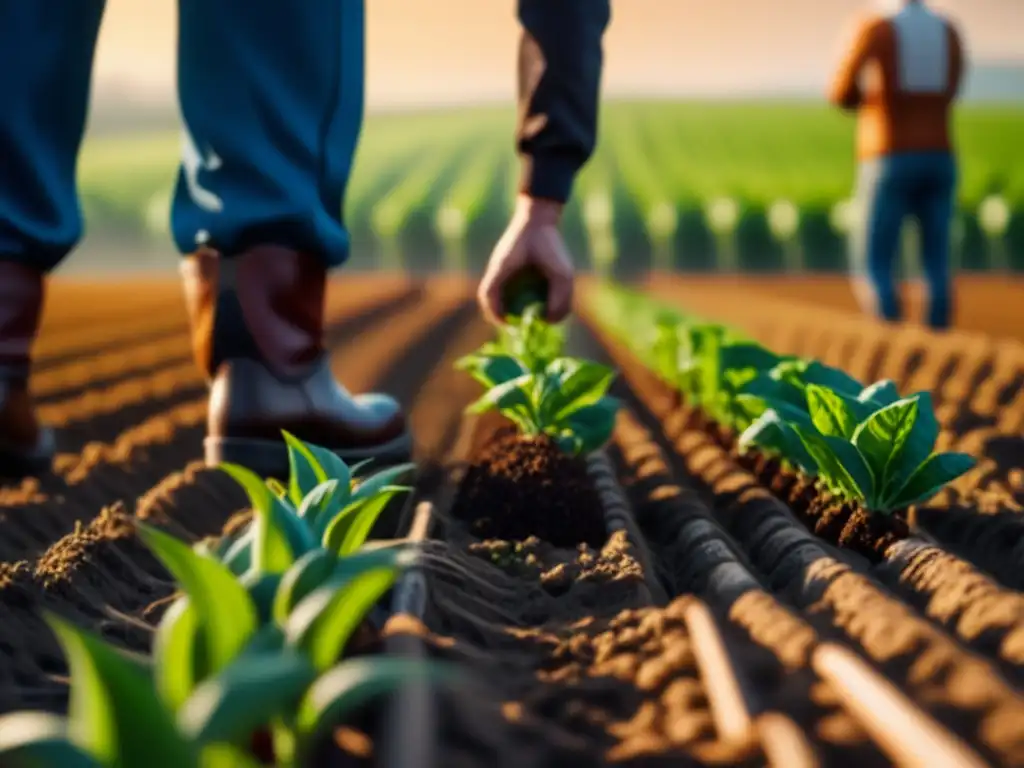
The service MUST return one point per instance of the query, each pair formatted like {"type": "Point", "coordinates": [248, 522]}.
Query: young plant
{"type": "Point", "coordinates": [530, 382]}
{"type": "Point", "coordinates": [782, 393]}
{"type": "Point", "coordinates": [119, 716]}
{"type": "Point", "coordinates": [324, 506]}
{"type": "Point", "coordinates": [886, 459]}
{"type": "Point", "coordinates": [711, 368]}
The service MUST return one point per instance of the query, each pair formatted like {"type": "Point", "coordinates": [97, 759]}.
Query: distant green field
{"type": "Point", "coordinates": [439, 181]}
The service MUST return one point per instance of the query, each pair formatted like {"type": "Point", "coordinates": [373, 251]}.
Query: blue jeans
{"type": "Point", "coordinates": [890, 188]}
{"type": "Point", "coordinates": [271, 93]}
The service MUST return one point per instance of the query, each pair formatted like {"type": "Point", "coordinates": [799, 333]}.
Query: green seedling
{"type": "Point", "coordinates": [782, 392]}
{"type": "Point", "coordinates": [544, 392]}
{"type": "Point", "coordinates": [324, 504]}
{"type": "Point", "coordinates": [885, 460]}
{"type": "Point", "coordinates": [118, 717]}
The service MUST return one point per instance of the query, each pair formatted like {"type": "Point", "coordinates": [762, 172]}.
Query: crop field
{"type": "Point", "coordinates": [657, 578]}
{"type": "Point", "coordinates": [692, 186]}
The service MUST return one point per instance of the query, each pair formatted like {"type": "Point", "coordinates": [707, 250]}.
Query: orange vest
{"type": "Point", "coordinates": [901, 74]}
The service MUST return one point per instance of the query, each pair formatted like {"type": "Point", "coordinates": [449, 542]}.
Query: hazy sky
{"type": "Point", "coordinates": [436, 51]}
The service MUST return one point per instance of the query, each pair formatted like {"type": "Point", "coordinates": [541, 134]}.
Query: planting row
{"type": "Point", "coordinates": [868, 450]}
{"type": "Point", "coordinates": [247, 666]}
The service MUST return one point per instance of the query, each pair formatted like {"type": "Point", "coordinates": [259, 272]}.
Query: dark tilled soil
{"type": "Point", "coordinates": [844, 524]}
{"type": "Point", "coordinates": [581, 674]}
{"type": "Point", "coordinates": [518, 487]}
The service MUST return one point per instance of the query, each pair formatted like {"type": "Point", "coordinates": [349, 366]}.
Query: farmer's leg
{"type": "Point", "coordinates": [272, 95]}
{"type": "Point", "coordinates": [46, 54]}
{"type": "Point", "coordinates": [934, 200]}
{"type": "Point", "coordinates": [882, 207]}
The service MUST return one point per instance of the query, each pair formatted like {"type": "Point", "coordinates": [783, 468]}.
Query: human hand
{"type": "Point", "coordinates": [531, 240]}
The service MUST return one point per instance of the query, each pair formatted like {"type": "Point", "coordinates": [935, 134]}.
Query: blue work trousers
{"type": "Point", "coordinates": [271, 95]}
{"type": "Point", "coordinates": [889, 189]}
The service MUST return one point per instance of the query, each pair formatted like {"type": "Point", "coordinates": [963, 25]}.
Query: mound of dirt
{"type": "Point", "coordinates": [519, 487]}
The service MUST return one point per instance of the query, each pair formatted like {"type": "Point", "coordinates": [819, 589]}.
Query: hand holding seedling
{"type": "Point", "coordinates": [531, 242]}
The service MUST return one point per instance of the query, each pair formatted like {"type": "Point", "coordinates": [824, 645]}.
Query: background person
{"type": "Point", "coordinates": [901, 74]}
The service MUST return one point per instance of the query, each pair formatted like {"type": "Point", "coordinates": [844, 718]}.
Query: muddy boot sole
{"type": "Point", "coordinates": [269, 458]}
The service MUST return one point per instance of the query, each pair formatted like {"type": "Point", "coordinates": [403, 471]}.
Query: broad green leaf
{"type": "Point", "coordinates": [397, 557]}
{"type": "Point", "coordinates": [238, 558]}
{"type": "Point", "coordinates": [919, 445]}
{"type": "Point", "coordinates": [747, 355]}
{"type": "Point", "coordinates": [303, 476]}
{"type": "Point", "coordinates": [245, 696]}
{"type": "Point", "coordinates": [280, 535]}
{"type": "Point", "coordinates": [227, 756]}
{"type": "Point", "coordinates": [322, 624]}
{"type": "Point", "coordinates": [114, 712]}
{"type": "Point", "coordinates": [330, 466]}
{"type": "Point", "coordinates": [268, 638]}
{"type": "Point", "coordinates": [584, 386]}
{"type": "Point", "coordinates": [594, 424]}
{"type": "Point", "coordinates": [829, 413]}
{"type": "Point", "coordinates": [931, 476]}
{"type": "Point", "coordinates": [772, 391]}
{"type": "Point", "coordinates": [347, 532]}
{"type": "Point", "coordinates": [881, 437]}
{"type": "Point", "coordinates": [378, 482]}
{"type": "Point", "coordinates": [352, 683]}
{"type": "Point", "coordinates": [309, 572]}
{"type": "Point", "coordinates": [224, 610]}
{"type": "Point", "coordinates": [510, 394]}
{"type": "Point", "coordinates": [837, 380]}
{"type": "Point", "coordinates": [314, 501]}
{"type": "Point", "coordinates": [787, 411]}
{"type": "Point", "coordinates": [883, 392]}
{"type": "Point", "coordinates": [839, 463]}
{"type": "Point", "coordinates": [40, 740]}
{"type": "Point", "coordinates": [176, 649]}
{"type": "Point", "coordinates": [491, 370]}
{"type": "Point", "coordinates": [771, 433]}
{"type": "Point", "coordinates": [262, 587]}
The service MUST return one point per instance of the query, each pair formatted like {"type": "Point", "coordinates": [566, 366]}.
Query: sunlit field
{"type": "Point", "coordinates": [698, 186]}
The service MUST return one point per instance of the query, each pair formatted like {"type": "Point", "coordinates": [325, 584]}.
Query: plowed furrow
{"type": "Point", "coordinates": [37, 512]}
{"type": "Point", "coordinates": [101, 576]}
{"type": "Point", "coordinates": [961, 689]}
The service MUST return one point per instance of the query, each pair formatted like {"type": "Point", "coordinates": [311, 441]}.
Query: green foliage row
{"type": "Point", "coordinates": [658, 165]}
{"type": "Point", "coordinates": [862, 443]}
{"type": "Point", "coordinates": [247, 663]}
{"type": "Point", "coordinates": [528, 379]}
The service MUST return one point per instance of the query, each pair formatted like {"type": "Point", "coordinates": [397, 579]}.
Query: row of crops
{"type": "Point", "coordinates": [262, 656]}
{"type": "Point", "coordinates": [689, 186]}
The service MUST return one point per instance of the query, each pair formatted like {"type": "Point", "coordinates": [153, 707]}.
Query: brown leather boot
{"type": "Point", "coordinates": [26, 448]}
{"type": "Point", "coordinates": [257, 333]}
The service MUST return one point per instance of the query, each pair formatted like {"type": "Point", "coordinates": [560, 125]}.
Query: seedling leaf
{"type": "Point", "coordinates": [114, 712]}
{"type": "Point", "coordinates": [280, 535]}
{"type": "Point", "coordinates": [309, 572]}
{"type": "Point", "coordinates": [176, 648]}
{"type": "Point", "coordinates": [881, 437]}
{"type": "Point", "coordinates": [245, 695]}
{"type": "Point", "coordinates": [224, 610]}
{"type": "Point", "coordinates": [323, 622]}
{"type": "Point", "coordinates": [40, 740]}
{"type": "Point", "coordinates": [839, 462]}
{"type": "Point", "coordinates": [305, 472]}
{"type": "Point", "coordinates": [594, 424]}
{"type": "Point", "coordinates": [931, 476]}
{"type": "Point", "coordinates": [829, 413]}
{"type": "Point", "coordinates": [350, 684]}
